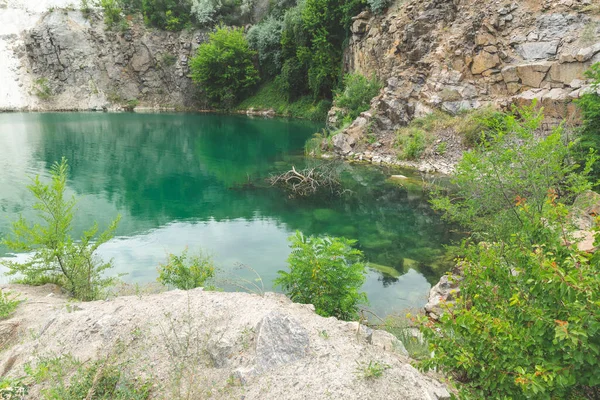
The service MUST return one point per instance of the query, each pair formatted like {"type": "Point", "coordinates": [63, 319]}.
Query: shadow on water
{"type": "Point", "coordinates": [199, 180]}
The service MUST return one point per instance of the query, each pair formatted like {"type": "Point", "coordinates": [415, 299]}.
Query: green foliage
{"type": "Point", "coordinates": [131, 104]}
{"type": "Point", "coordinates": [372, 370]}
{"type": "Point", "coordinates": [512, 166]}
{"type": "Point", "coordinates": [357, 94]}
{"type": "Point", "coordinates": [112, 12]}
{"type": "Point", "coordinates": [102, 379]}
{"type": "Point", "coordinates": [42, 89]}
{"type": "Point", "coordinates": [589, 104]}
{"type": "Point", "coordinates": [272, 96]}
{"type": "Point", "coordinates": [223, 66]}
{"type": "Point", "coordinates": [413, 143]}
{"type": "Point", "coordinates": [312, 42]}
{"type": "Point", "coordinates": [478, 126]}
{"type": "Point", "coordinates": [12, 389]}
{"type": "Point", "coordinates": [326, 272]}
{"type": "Point", "coordinates": [56, 256]}
{"type": "Point", "coordinates": [527, 322]}
{"type": "Point", "coordinates": [8, 304]}
{"type": "Point", "coordinates": [403, 328]}
{"type": "Point", "coordinates": [186, 272]}
{"type": "Point", "coordinates": [265, 38]}
{"type": "Point", "coordinates": [379, 6]}
{"type": "Point", "coordinates": [168, 60]}
{"type": "Point", "coordinates": [171, 15]}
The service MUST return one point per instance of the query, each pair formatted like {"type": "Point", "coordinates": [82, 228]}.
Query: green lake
{"type": "Point", "coordinates": [198, 181]}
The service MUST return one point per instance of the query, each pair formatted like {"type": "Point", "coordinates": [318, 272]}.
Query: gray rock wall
{"type": "Point", "coordinates": [82, 66]}
{"type": "Point", "coordinates": [459, 55]}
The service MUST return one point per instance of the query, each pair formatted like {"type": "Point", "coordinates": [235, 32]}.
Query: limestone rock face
{"type": "Point", "coordinates": [459, 55]}
{"type": "Point", "coordinates": [442, 295]}
{"type": "Point", "coordinates": [89, 67]}
{"type": "Point", "coordinates": [280, 340]}
{"type": "Point", "coordinates": [484, 61]}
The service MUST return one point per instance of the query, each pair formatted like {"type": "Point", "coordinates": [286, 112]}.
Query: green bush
{"type": "Point", "coordinates": [56, 255]}
{"type": "Point", "coordinates": [69, 379]}
{"type": "Point", "coordinates": [589, 104]}
{"type": "Point", "coordinates": [379, 6]}
{"type": "Point", "coordinates": [112, 12]}
{"type": "Point", "coordinates": [8, 304]}
{"type": "Point", "coordinates": [186, 272]}
{"type": "Point", "coordinates": [478, 126]}
{"type": "Point", "coordinates": [326, 272]}
{"type": "Point", "coordinates": [357, 94]}
{"type": "Point", "coordinates": [413, 144]}
{"type": "Point", "coordinates": [512, 166]}
{"type": "Point", "coordinates": [172, 15]}
{"type": "Point", "coordinates": [223, 67]}
{"type": "Point", "coordinates": [526, 324]}
{"type": "Point", "coordinates": [265, 38]}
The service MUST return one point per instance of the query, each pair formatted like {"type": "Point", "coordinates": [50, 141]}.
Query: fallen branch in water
{"type": "Point", "coordinates": [309, 181]}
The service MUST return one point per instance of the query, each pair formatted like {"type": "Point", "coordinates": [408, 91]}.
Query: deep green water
{"type": "Point", "coordinates": [182, 180]}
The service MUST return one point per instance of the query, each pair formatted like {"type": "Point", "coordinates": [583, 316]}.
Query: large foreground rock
{"type": "Point", "coordinates": [231, 345]}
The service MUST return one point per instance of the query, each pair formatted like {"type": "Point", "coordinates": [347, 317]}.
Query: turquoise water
{"type": "Point", "coordinates": [198, 181]}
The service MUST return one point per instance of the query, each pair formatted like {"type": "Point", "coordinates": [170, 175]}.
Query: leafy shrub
{"type": "Point", "coordinates": [168, 60]}
{"type": "Point", "coordinates": [589, 104]}
{"type": "Point", "coordinates": [513, 165]}
{"type": "Point", "coordinates": [205, 11]}
{"type": "Point", "coordinates": [57, 256]}
{"type": "Point", "coordinates": [265, 38]}
{"type": "Point", "coordinates": [223, 66]}
{"type": "Point", "coordinates": [326, 272]}
{"type": "Point", "coordinates": [72, 380]}
{"type": "Point", "coordinates": [172, 15]}
{"type": "Point", "coordinates": [413, 144]}
{"type": "Point", "coordinates": [42, 88]}
{"type": "Point", "coordinates": [371, 370]}
{"type": "Point", "coordinates": [526, 323]}
{"type": "Point", "coordinates": [357, 94]}
{"type": "Point", "coordinates": [112, 12]}
{"type": "Point", "coordinates": [186, 272]}
{"type": "Point", "coordinates": [8, 304]}
{"type": "Point", "coordinates": [403, 328]}
{"type": "Point", "coordinates": [379, 6]}
{"type": "Point", "coordinates": [478, 126]}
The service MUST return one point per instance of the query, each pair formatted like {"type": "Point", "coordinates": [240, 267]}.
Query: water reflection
{"type": "Point", "coordinates": [176, 180]}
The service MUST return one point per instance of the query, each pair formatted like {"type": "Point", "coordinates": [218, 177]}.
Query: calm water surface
{"type": "Point", "coordinates": [181, 180]}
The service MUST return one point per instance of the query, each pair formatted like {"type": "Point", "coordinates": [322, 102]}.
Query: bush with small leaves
{"type": "Point", "coordinates": [327, 273]}
{"type": "Point", "coordinates": [223, 67]}
{"type": "Point", "coordinates": [526, 324]}
{"type": "Point", "coordinates": [186, 271]}
{"type": "Point", "coordinates": [57, 257]}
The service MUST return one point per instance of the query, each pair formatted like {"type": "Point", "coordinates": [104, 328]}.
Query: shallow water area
{"type": "Point", "coordinates": [198, 181]}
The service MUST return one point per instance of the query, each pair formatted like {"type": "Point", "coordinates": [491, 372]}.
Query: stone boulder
{"type": "Point", "coordinates": [483, 62]}
{"type": "Point", "coordinates": [443, 295]}
{"type": "Point", "coordinates": [538, 50]}
{"type": "Point", "coordinates": [532, 74]}
{"type": "Point", "coordinates": [343, 143]}
{"type": "Point", "coordinates": [280, 339]}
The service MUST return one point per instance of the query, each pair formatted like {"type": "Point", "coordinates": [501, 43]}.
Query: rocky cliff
{"type": "Point", "coordinates": [458, 55]}
{"type": "Point", "coordinates": [61, 59]}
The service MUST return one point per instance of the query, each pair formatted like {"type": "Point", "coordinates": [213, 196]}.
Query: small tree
{"type": "Point", "coordinates": [223, 66]}
{"type": "Point", "coordinates": [589, 104]}
{"type": "Point", "coordinates": [514, 165]}
{"type": "Point", "coordinates": [326, 272]}
{"type": "Point", "coordinates": [527, 322]}
{"type": "Point", "coordinates": [56, 256]}
{"type": "Point", "coordinates": [186, 272]}
{"type": "Point", "coordinates": [357, 94]}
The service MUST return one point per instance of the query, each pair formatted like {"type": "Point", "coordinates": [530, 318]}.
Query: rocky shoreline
{"type": "Point", "coordinates": [242, 345]}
